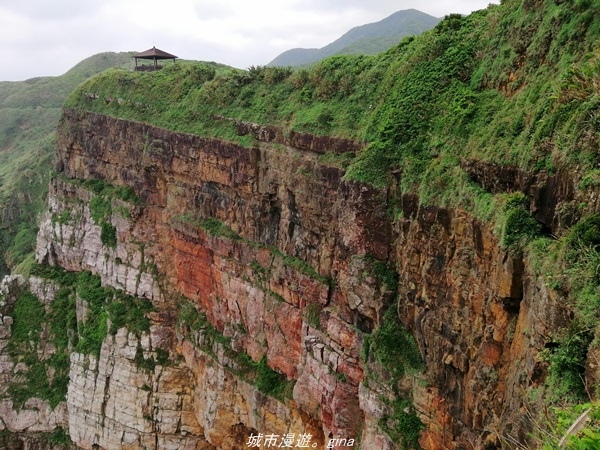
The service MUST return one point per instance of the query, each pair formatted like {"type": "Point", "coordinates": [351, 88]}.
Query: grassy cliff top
{"type": "Point", "coordinates": [515, 84]}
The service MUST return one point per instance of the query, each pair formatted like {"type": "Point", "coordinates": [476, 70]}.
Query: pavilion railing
{"type": "Point", "coordinates": [147, 68]}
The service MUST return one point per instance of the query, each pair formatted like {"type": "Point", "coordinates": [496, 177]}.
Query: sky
{"type": "Point", "coordinates": [48, 37]}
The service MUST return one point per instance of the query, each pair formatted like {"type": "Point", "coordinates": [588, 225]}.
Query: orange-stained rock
{"type": "Point", "coordinates": [294, 273]}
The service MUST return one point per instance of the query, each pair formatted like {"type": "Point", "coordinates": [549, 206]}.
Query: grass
{"type": "Point", "coordinates": [518, 226]}
{"type": "Point", "coordinates": [104, 303]}
{"type": "Point", "coordinates": [101, 206]}
{"type": "Point", "coordinates": [553, 427]}
{"type": "Point", "coordinates": [570, 266]}
{"type": "Point", "coordinates": [402, 424]}
{"type": "Point", "coordinates": [515, 84]}
{"type": "Point", "coordinates": [462, 93]}
{"type": "Point", "coordinates": [25, 343]}
{"type": "Point", "coordinates": [383, 272]}
{"type": "Point", "coordinates": [312, 315]}
{"type": "Point", "coordinates": [108, 235]}
{"type": "Point", "coordinates": [393, 348]}
{"type": "Point", "coordinates": [389, 354]}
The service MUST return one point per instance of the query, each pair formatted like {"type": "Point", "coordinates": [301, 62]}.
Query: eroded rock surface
{"type": "Point", "coordinates": [287, 260]}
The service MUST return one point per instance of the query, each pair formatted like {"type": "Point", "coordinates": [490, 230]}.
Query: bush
{"type": "Point", "coordinates": [393, 347]}
{"type": "Point", "coordinates": [108, 235]}
{"type": "Point", "coordinates": [30, 318]}
{"type": "Point", "coordinates": [566, 372]}
{"type": "Point", "coordinates": [518, 226]}
{"type": "Point", "coordinates": [270, 382]}
{"type": "Point", "coordinates": [586, 233]}
{"type": "Point", "coordinates": [403, 425]}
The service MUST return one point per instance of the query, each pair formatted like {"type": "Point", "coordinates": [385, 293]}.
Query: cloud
{"type": "Point", "coordinates": [48, 37]}
{"type": "Point", "coordinates": [52, 10]}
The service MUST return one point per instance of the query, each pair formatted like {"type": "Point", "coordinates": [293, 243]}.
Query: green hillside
{"type": "Point", "coordinates": [29, 114]}
{"type": "Point", "coordinates": [368, 39]}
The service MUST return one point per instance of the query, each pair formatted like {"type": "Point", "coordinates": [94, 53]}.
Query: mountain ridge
{"type": "Point", "coordinates": [369, 39]}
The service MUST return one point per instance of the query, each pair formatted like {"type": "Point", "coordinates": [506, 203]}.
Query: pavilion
{"type": "Point", "coordinates": [153, 54]}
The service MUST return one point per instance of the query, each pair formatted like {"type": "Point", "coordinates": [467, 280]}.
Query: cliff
{"type": "Point", "coordinates": [193, 291]}
{"type": "Point", "coordinates": [280, 257]}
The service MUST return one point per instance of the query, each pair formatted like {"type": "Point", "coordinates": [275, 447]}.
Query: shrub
{"type": "Point", "coordinates": [586, 233]}
{"type": "Point", "coordinates": [30, 318]}
{"type": "Point", "coordinates": [108, 235]}
{"type": "Point", "coordinates": [518, 226]}
{"type": "Point", "coordinates": [403, 425]}
{"type": "Point", "coordinates": [270, 382]}
{"type": "Point", "coordinates": [393, 347]}
{"type": "Point", "coordinates": [566, 371]}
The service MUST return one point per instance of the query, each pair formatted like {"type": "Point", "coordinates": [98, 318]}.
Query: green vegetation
{"type": "Point", "coordinates": [383, 272]}
{"type": "Point", "coordinates": [473, 87]}
{"type": "Point", "coordinates": [402, 424]}
{"type": "Point", "coordinates": [29, 318]}
{"type": "Point", "coordinates": [393, 348]}
{"type": "Point", "coordinates": [121, 309]}
{"type": "Point", "coordinates": [554, 428]}
{"type": "Point", "coordinates": [300, 265]}
{"type": "Point", "coordinates": [312, 315]}
{"type": "Point", "coordinates": [518, 226]}
{"type": "Point", "coordinates": [29, 114]}
{"type": "Point", "coordinates": [270, 382]}
{"type": "Point", "coordinates": [341, 161]}
{"type": "Point", "coordinates": [571, 266]}
{"type": "Point", "coordinates": [390, 354]}
{"type": "Point", "coordinates": [59, 437]}
{"type": "Point", "coordinates": [513, 85]}
{"type": "Point", "coordinates": [196, 327]}
{"type": "Point", "coordinates": [217, 228]}
{"type": "Point", "coordinates": [36, 326]}
{"type": "Point", "coordinates": [148, 364]}
{"type": "Point", "coordinates": [105, 304]}
{"type": "Point", "coordinates": [106, 191]}
{"type": "Point", "coordinates": [101, 206]}
{"type": "Point", "coordinates": [108, 235]}
{"type": "Point", "coordinates": [214, 226]}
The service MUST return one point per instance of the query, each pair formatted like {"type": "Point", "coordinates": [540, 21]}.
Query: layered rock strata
{"type": "Point", "coordinates": [291, 265]}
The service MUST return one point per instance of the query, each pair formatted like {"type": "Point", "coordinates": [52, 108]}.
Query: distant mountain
{"type": "Point", "coordinates": [367, 39]}
{"type": "Point", "coordinates": [29, 114]}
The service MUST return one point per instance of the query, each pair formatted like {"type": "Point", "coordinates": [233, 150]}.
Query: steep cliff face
{"type": "Point", "coordinates": [282, 299]}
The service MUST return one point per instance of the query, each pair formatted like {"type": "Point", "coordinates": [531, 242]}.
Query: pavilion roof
{"type": "Point", "coordinates": [154, 53]}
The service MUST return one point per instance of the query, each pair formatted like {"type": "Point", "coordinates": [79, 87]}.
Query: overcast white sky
{"type": "Point", "coordinates": [48, 37]}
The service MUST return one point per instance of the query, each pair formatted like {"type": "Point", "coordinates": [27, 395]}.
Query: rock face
{"type": "Point", "coordinates": [288, 264]}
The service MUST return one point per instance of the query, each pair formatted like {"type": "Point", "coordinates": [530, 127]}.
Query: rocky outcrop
{"type": "Point", "coordinates": [290, 270]}
{"type": "Point", "coordinates": [296, 139]}
{"type": "Point", "coordinates": [115, 403]}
